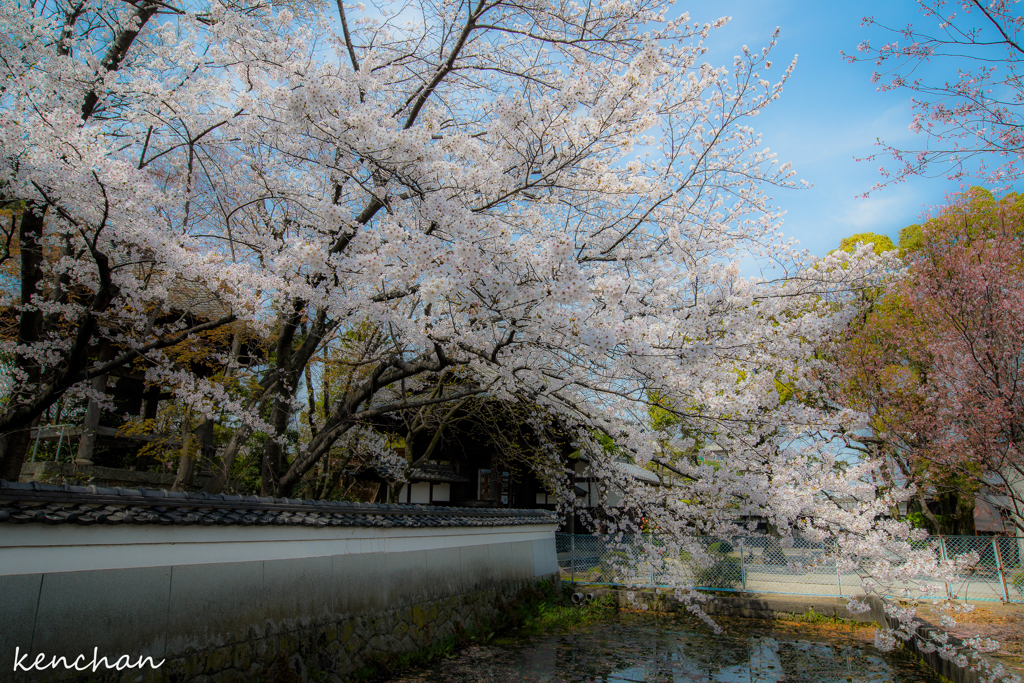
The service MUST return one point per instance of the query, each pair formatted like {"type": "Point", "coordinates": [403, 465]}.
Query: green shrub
{"type": "Point", "coordinates": [720, 547]}
{"type": "Point", "coordinates": [614, 562]}
{"type": "Point", "coordinates": [773, 553]}
{"type": "Point", "coordinates": [1017, 580]}
{"type": "Point", "coordinates": [724, 573]}
{"type": "Point", "coordinates": [715, 549]}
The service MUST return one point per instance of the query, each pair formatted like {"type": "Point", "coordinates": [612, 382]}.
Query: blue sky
{"type": "Point", "coordinates": [829, 113]}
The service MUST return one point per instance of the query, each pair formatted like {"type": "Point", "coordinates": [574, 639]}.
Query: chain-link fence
{"type": "Point", "coordinates": [987, 568]}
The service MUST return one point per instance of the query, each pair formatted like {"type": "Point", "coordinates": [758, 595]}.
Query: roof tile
{"type": "Point", "coordinates": [84, 505]}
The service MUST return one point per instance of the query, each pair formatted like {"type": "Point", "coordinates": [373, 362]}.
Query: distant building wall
{"type": "Point", "coordinates": [230, 601]}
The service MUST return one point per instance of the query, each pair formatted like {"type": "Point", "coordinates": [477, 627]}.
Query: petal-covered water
{"type": "Point", "coordinates": [630, 649]}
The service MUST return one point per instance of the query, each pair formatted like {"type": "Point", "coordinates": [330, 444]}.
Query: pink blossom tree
{"type": "Point", "coordinates": [973, 412]}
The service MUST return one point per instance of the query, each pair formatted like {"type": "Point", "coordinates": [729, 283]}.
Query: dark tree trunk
{"type": "Point", "coordinates": [273, 451]}
{"type": "Point", "coordinates": [30, 325]}
{"type": "Point", "coordinates": [194, 443]}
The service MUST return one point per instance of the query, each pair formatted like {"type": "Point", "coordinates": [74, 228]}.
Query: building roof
{"type": "Point", "coordinates": [631, 470]}
{"type": "Point", "coordinates": [436, 476]}
{"type": "Point", "coordinates": [987, 516]}
{"type": "Point", "coordinates": [433, 475]}
{"type": "Point", "coordinates": [636, 472]}
{"type": "Point", "coordinates": [195, 298]}
{"type": "Point", "coordinates": [85, 505]}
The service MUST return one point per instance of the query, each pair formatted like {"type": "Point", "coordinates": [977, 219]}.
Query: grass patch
{"type": "Point", "coordinates": [535, 610]}
{"type": "Point", "coordinates": [563, 615]}
{"type": "Point", "coordinates": [385, 664]}
{"type": "Point", "coordinates": [812, 617]}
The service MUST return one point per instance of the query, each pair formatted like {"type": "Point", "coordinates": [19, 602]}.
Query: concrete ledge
{"type": "Point", "coordinates": [780, 606]}
{"type": "Point", "coordinates": [745, 605]}
{"type": "Point", "coordinates": [945, 668]}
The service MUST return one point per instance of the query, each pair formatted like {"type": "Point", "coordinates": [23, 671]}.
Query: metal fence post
{"type": "Point", "coordinates": [944, 557]}
{"type": "Point", "coordinates": [60, 443]}
{"type": "Point", "coordinates": [743, 571]}
{"type": "Point", "coordinates": [572, 558]}
{"type": "Point", "coordinates": [839, 577]}
{"type": "Point", "coordinates": [650, 554]}
{"type": "Point", "coordinates": [999, 568]}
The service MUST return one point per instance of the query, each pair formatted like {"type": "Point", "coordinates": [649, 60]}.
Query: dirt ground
{"type": "Point", "coordinates": [843, 633]}
{"type": "Point", "coordinates": [1003, 622]}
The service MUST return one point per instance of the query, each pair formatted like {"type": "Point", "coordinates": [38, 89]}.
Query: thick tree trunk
{"type": "Point", "coordinates": [928, 514]}
{"type": "Point", "coordinates": [15, 447]}
{"type": "Point", "coordinates": [186, 463]}
{"type": "Point", "coordinates": [192, 440]}
{"type": "Point", "coordinates": [222, 473]}
{"type": "Point", "coordinates": [273, 451]}
{"type": "Point", "coordinates": [87, 444]}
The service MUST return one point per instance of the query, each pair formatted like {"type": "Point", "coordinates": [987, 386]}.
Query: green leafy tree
{"type": "Point", "coordinates": [880, 242]}
{"type": "Point", "coordinates": [887, 362]}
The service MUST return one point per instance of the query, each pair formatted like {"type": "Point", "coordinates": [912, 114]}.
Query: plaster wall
{"type": "Point", "coordinates": [34, 548]}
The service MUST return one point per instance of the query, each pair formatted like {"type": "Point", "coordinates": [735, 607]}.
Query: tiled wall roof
{"type": "Point", "coordinates": [65, 504]}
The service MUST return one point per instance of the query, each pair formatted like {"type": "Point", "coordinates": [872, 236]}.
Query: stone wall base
{"type": "Point", "coordinates": [332, 651]}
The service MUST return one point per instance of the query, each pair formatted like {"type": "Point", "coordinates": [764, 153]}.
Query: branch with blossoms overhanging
{"type": "Point", "coordinates": [861, 540]}
{"type": "Point", "coordinates": [707, 499]}
{"type": "Point", "coordinates": [969, 120]}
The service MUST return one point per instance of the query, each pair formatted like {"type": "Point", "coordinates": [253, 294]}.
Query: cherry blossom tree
{"type": "Point", "coordinates": [516, 224]}
{"type": "Point", "coordinates": [99, 224]}
{"type": "Point", "coordinates": [960, 64]}
{"type": "Point", "coordinates": [546, 202]}
{"type": "Point", "coordinates": [477, 217]}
